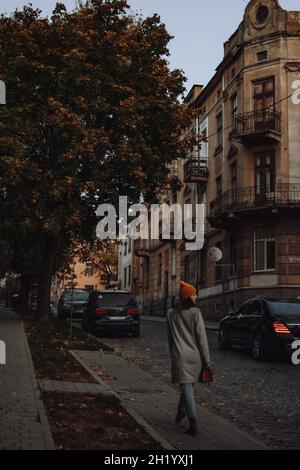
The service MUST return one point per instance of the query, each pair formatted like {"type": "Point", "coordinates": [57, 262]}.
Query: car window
{"type": "Point", "coordinates": [284, 308]}
{"type": "Point", "coordinates": [256, 308]}
{"type": "Point", "coordinates": [113, 299]}
{"type": "Point", "coordinates": [79, 296]}
{"type": "Point", "coordinates": [245, 309]}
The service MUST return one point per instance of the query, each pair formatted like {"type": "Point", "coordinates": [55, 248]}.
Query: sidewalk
{"type": "Point", "coordinates": [23, 422]}
{"type": "Point", "coordinates": [156, 403]}
{"type": "Point", "coordinates": [209, 325]}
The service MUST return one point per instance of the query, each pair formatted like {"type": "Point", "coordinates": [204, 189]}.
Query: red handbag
{"type": "Point", "coordinates": [206, 375]}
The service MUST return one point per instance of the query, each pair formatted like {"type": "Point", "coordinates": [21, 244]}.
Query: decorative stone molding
{"type": "Point", "coordinates": [239, 79]}
{"type": "Point", "coordinates": [292, 66]}
{"type": "Point", "coordinates": [232, 151]}
{"type": "Point", "coordinates": [261, 14]}
{"type": "Point", "coordinates": [294, 16]}
{"type": "Point", "coordinates": [225, 96]}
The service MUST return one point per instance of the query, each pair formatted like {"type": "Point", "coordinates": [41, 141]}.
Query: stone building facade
{"type": "Point", "coordinates": [246, 171]}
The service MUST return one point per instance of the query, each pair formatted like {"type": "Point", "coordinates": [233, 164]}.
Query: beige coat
{"type": "Point", "coordinates": [188, 344]}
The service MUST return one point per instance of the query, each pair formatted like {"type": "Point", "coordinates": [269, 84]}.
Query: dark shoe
{"type": "Point", "coordinates": [180, 416]}
{"type": "Point", "coordinates": [193, 429]}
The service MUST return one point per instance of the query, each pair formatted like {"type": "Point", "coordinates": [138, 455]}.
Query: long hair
{"type": "Point", "coordinates": [186, 304]}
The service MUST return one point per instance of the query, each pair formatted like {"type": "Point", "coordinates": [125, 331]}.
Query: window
{"type": "Point", "coordinates": [264, 249]}
{"type": "Point", "coordinates": [245, 309]}
{"type": "Point", "coordinates": [264, 103]}
{"type": "Point", "coordinates": [125, 248]}
{"type": "Point", "coordinates": [190, 268]}
{"type": "Point", "coordinates": [129, 245]}
{"type": "Point", "coordinates": [129, 275]}
{"type": "Point", "coordinates": [89, 288]}
{"type": "Point", "coordinates": [219, 125]}
{"type": "Point", "coordinates": [173, 260]}
{"type": "Point", "coordinates": [233, 250]}
{"type": "Point", "coordinates": [265, 173]}
{"type": "Point", "coordinates": [233, 169]}
{"type": "Point", "coordinates": [125, 277]}
{"type": "Point", "coordinates": [186, 267]}
{"type": "Point", "coordinates": [159, 269]}
{"type": "Point", "coordinates": [146, 268]}
{"type": "Point", "coordinates": [89, 269]}
{"type": "Point", "coordinates": [256, 308]}
{"type": "Point", "coordinates": [234, 108]}
{"type": "Point", "coordinates": [219, 185]}
{"type": "Point", "coordinates": [218, 268]}
{"type": "Point", "coordinates": [253, 307]}
{"type": "Point", "coordinates": [203, 147]}
{"type": "Point", "coordinates": [202, 270]}
{"type": "Point", "coordinates": [262, 14]}
{"type": "Point", "coordinates": [261, 56]}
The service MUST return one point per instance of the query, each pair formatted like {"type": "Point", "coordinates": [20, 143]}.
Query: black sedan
{"type": "Point", "coordinates": [267, 327]}
{"type": "Point", "coordinates": [112, 311]}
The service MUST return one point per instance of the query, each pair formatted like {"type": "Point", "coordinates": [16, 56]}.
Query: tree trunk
{"type": "Point", "coordinates": [45, 278]}
{"type": "Point", "coordinates": [25, 289]}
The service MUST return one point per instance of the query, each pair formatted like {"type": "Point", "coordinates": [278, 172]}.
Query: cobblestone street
{"type": "Point", "coordinates": [262, 398]}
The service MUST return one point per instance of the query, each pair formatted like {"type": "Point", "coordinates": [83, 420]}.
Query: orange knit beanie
{"type": "Point", "coordinates": [186, 290]}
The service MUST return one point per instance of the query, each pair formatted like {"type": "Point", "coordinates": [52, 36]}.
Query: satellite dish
{"type": "Point", "coordinates": [215, 254]}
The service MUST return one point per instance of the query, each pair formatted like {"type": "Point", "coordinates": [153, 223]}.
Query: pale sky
{"type": "Point", "coordinates": [199, 27]}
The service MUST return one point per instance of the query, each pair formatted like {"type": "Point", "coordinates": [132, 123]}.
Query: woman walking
{"type": "Point", "coordinates": [189, 351]}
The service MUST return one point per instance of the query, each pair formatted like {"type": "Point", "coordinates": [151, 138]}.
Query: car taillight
{"type": "Point", "coordinates": [100, 311]}
{"type": "Point", "coordinates": [133, 311]}
{"type": "Point", "coordinates": [281, 328]}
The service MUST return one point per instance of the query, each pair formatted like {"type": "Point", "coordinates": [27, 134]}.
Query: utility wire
{"type": "Point", "coordinates": [255, 113]}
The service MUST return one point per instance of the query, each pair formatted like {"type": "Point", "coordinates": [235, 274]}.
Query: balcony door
{"type": "Point", "coordinates": [264, 104]}
{"type": "Point", "coordinates": [264, 178]}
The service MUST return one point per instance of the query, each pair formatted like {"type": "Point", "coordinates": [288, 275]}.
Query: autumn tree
{"type": "Point", "coordinates": [103, 254]}
{"type": "Point", "coordinates": [93, 112]}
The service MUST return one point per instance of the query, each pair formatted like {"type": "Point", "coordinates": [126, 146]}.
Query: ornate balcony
{"type": "Point", "coordinates": [196, 170]}
{"type": "Point", "coordinates": [258, 127]}
{"type": "Point", "coordinates": [232, 206]}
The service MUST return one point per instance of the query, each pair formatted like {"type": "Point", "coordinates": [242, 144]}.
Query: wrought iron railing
{"type": "Point", "coordinates": [194, 167]}
{"type": "Point", "coordinates": [257, 122]}
{"type": "Point", "coordinates": [284, 195]}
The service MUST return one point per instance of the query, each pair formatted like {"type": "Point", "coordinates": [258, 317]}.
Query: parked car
{"type": "Point", "coordinates": [76, 298]}
{"type": "Point", "coordinates": [267, 327]}
{"type": "Point", "coordinates": [112, 310]}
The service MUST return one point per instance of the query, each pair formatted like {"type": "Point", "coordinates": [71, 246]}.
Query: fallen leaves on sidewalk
{"type": "Point", "coordinates": [50, 347]}
{"type": "Point", "coordinates": [89, 422]}
{"type": "Point", "coordinates": [106, 377]}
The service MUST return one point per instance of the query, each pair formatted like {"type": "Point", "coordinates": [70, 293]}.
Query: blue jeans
{"type": "Point", "coordinates": [187, 401]}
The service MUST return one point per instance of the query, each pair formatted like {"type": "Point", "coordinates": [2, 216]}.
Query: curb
{"type": "Point", "coordinates": [154, 434]}
{"type": "Point", "coordinates": [48, 438]}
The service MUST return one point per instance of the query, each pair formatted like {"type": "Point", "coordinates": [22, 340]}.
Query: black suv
{"type": "Point", "coordinates": [266, 326]}
{"type": "Point", "coordinates": [112, 310]}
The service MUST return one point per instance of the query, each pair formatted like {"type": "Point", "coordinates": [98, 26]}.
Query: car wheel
{"type": "Point", "coordinates": [258, 347]}
{"type": "Point", "coordinates": [224, 344]}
